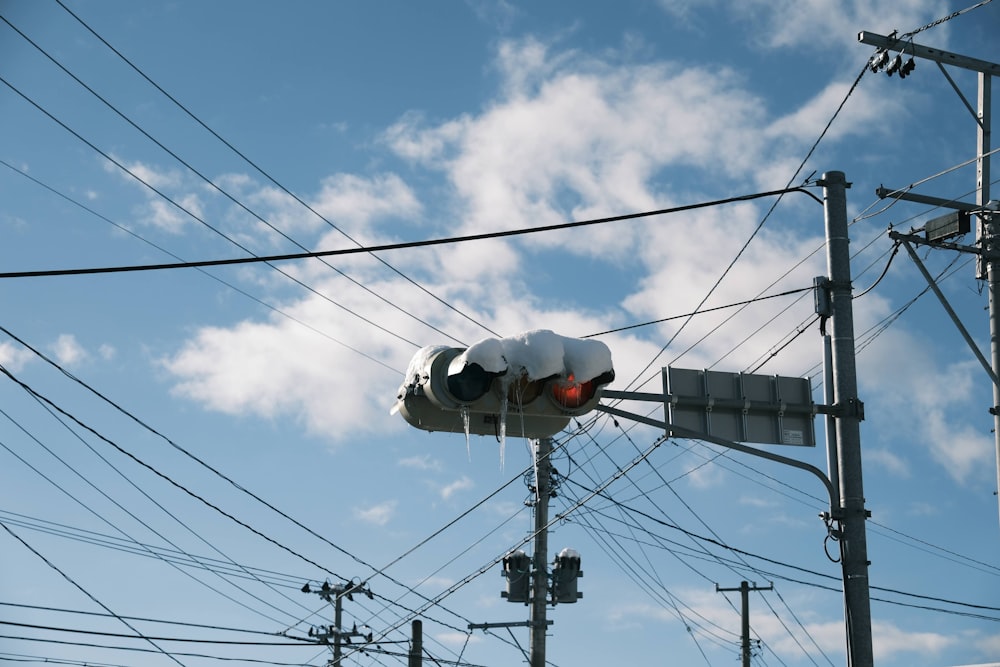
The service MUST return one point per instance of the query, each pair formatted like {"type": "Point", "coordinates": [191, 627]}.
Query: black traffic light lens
{"type": "Point", "coordinates": [470, 383]}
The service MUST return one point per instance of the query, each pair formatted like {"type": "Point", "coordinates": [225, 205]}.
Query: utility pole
{"type": "Point", "coordinates": [849, 411]}
{"type": "Point", "coordinates": [744, 590]}
{"type": "Point", "coordinates": [540, 587]}
{"type": "Point", "coordinates": [417, 643]}
{"type": "Point", "coordinates": [987, 231]}
{"type": "Point", "coordinates": [844, 483]}
{"type": "Point", "coordinates": [335, 594]}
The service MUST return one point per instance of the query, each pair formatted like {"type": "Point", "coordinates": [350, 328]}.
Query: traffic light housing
{"type": "Point", "coordinates": [456, 390]}
{"type": "Point", "coordinates": [565, 572]}
{"type": "Point", "coordinates": [517, 571]}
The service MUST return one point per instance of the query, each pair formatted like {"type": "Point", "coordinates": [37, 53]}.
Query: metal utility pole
{"type": "Point", "coordinates": [540, 587]}
{"type": "Point", "coordinates": [987, 231]}
{"type": "Point", "coordinates": [744, 590]}
{"type": "Point", "coordinates": [849, 413]}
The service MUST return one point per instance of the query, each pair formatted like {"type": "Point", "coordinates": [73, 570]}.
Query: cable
{"type": "Point", "coordinates": [701, 312]}
{"type": "Point", "coordinates": [231, 286]}
{"type": "Point", "coordinates": [947, 18]}
{"type": "Point", "coordinates": [211, 469]}
{"type": "Point", "coordinates": [137, 635]}
{"type": "Point", "coordinates": [201, 220]}
{"type": "Point", "coordinates": [390, 246]}
{"type": "Point", "coordinates": [300, 641]}
{"type": "Point", "coordinates": [225, 193]}
{"type": "Point", "coordinates": [265, 174]}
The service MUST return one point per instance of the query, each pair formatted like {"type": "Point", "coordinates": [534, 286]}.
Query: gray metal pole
{"type": "Point", "coordinates": [539, 592]}
{"type": "Point", "coordinates": [988, 236]}
{"type": "Point", "coordinates": [853, 543]}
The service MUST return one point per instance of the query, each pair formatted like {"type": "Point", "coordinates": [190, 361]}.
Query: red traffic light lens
{"type": "Point", "coordinates": [572, 394]}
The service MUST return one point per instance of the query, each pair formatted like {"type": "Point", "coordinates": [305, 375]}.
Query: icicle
{"type": "Point", "coordinates": [534, 463]}
{"type": "Point", "coordinates": [504, 409]}
{"type": "Point", "coordinates": [465, 421]}
{"type": "Point", "coordinates": [503, 420]}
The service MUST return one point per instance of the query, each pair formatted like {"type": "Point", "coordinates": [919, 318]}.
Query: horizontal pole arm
{"type": "Point", "coordinates": [885, 193]}
{"type": "Point", "coordinates": [729, 403]}
{"type": "Point", "coordinates": [697, 435]}
{"type": "Point", "coordinates": [929, 53]}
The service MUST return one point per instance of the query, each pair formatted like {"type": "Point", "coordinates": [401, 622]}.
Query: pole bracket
{"type": "Point", "coordinates": [853, 408]}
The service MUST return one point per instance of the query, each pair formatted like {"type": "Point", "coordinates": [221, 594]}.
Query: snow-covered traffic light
{"type": "Point", "coordinates": [517, 571]}
{"type": "Point", "coordinates": [565, 573]}
{"type": "Point", "coordinates": [528, 385]}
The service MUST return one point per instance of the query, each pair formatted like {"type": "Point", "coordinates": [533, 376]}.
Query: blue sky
{"type": "Point", "coordinates": [281, 127]}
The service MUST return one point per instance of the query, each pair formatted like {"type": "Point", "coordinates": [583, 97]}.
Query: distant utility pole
{"type": "Point", "coordinates": [744, 590]}
{"type": "Point", "coordinates": [987, 231]}
{"type": "Point", "coordinates": [334, 594]}
{"type": "Point", "coordinates": [528, 577]}
{"type": "Point", "coordinates": [540, 586]}
{"type": "Point", "coordinates": [417, 644]}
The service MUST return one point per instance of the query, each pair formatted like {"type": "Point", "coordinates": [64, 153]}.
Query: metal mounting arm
{"type": "Point", "coordinates": [687, 433]}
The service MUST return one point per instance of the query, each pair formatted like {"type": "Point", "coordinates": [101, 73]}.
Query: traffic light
{"type": "Point", "coordinates": [530, 385]}
{"type": "Point", "coordinates": [565, 572]}
{"type": "Point", "coordinates": [517, 570]}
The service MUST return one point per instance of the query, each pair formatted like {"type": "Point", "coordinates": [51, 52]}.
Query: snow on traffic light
{"type": "Point", "coordinates": [527, 385]}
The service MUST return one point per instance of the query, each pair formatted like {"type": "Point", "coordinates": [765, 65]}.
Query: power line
{"type": "Point", "coordinates": [701, 311]}
{"type": "Point", "coordinates": [267, 175]}
{"type": "Point", "coordinates": [221, 190]}
{"type": "Point", "coordinates": [394, 246]}
{"type": "Point", "coordinates": [138, 635]}
{"type": "Point", "coordinates": [215, 471]}
{"type": "Point", "coordinates": [198, 218]}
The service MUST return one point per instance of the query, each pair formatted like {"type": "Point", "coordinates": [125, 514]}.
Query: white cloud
{"type": "Point", "coordinates": [13, 356]}
{"type": "Point", "coordinates": [890, 640]}
{"type": "Point", "coordinates": [566, 138]}
{"type": "Point", "coordinates": [818, 24]}
{"type": "Point", "coordinates": [464, 483]}
{"type": "Point", "coordinates": [379, 514]}
{"type": "Point", "coordinates": [422, 462]}
{"type": "Point", "coordinates": [68, 350]}
{"type": "Point", "coordinates": [278, 367]}
{"type": "Point", "coordinates": [354, 202]}
{"type": "Point", "coordinates": [889, 460]}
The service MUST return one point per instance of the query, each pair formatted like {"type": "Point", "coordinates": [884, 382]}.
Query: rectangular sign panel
{"type": "Point", "coordinates": [767, 409]}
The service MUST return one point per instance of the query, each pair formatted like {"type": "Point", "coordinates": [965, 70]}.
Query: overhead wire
{"type": "Point", "coordinates": [262, 172]}
{"type": "Point", "coordinates": [390, 246]}
{"type": "Point", "coordinates": [221, 281]}
{"type": "Point", "coordinates": [134, 547]}
{"type": "Point", "coordinates": [60, 3]}
{"type": "Point", "coordinates": [153, 501]}
{"type": "Point", "coordinates": [655, 470]}
{"type": "Point", "coordinates": [200, 219]}
{"type": "Point", "coordinates": [211, 469]}
{"type": "Point", "coordinates": [128, 512]}
{"type": "Point", "coordinates": [123, 621]}
{"type": "Point", "coordinates": [215, 186]}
